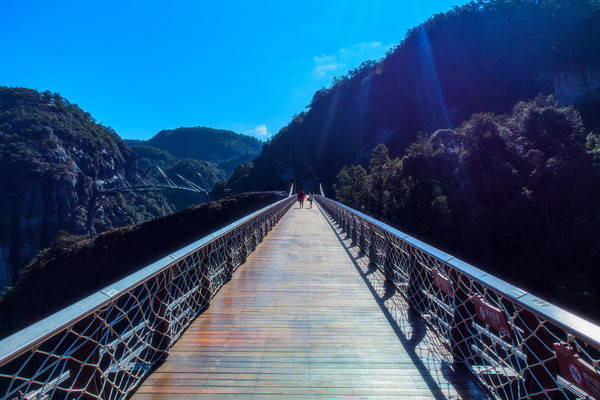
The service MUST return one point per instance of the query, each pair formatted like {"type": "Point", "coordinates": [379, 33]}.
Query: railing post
{"type": "Point", "coordinates": [346, 223]}
{"type": "Point", "coordinates": [542, 367]}
{"type": "Point", "coordinates": [340, 218]}
{"type": "Point", "coordinates": [269, 222]}
{"type": "Point", "coordinates": [373, 247]}
{"type": "Point", "coordinates": [413, 291]}
{"type": "Point", "coordinates": [161, 339]}
{"type": "Point", "coordinates": [254, 239]}
{"type": "Point", "coordinates": [257, 234]}
{"type": "Point", "coordinates": [463, 314]}
{"type": "Point", "coordinates": [205, 282]}
{"type": "Point", "coordinates": [388, 263]}
{"type": "Point", "coordinates": [263, 228]}
{"type": "Point", "coordinates": [244, 245]}
{"type": "Point", "coordinates": [83, 361]}
{"type": "Point", "coordinates": [353, 229]}
{"type": "Point", "coordinates": [230, 259]}
{"type": "Point", "coordinates": [362, 237]}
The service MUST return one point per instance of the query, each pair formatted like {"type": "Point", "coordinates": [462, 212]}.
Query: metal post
{"type": "Point", "coordinates": [373, 247]}
{"type": "Point", "coordinates": [541, 375]}
{"type": "Point", "coordinates": [362, 238]}
{"type": "Point", "coordinates": [244, 246]}
{"type": "Point", "coordinates": [161, 339]}
{"type": "Point", "coordinates": [205, 283]}
{"type": "Point", "coordinates": [388, 261]}
{"type": "Point", "coordinates": [463, 316]}
{"type": "Point", "coordinates": [83, 361]}
{"type": "Point", "coordinates": [230, 259]}
{"type": "Point", "coordinates": [413, 291]}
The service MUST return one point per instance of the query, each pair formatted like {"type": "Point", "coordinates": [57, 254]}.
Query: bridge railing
{"type": "Point", "coordinates": [517, 345]}
{"type": "Point", "coordinates": [102, 346]}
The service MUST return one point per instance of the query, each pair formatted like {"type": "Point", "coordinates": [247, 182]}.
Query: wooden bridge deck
{"type": "Point", "coordinates": [302, 319]}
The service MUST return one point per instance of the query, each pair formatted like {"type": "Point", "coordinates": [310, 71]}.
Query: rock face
{"type": "Point", "coordinates": [55, 161]}
{"type": "Point", "coordinates": [570, 86]}
{"type": "Point", "coordinates": [576, 61]}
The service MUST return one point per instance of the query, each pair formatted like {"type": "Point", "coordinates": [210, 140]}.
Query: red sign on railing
{"type": "Point", "coordinates": [442, 282]}
{"type": "Point", "coordinates": [577, 371]}
{"type": "Point", "coordinates": [493, 316]}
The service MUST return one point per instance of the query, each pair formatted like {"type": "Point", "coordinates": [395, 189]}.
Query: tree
{"type": "Point", "coordinates": [515, 194]}
{"type": "Point", "coordinates": [352, 186]}
{"type": "Point", "coordinates": [381, 169]}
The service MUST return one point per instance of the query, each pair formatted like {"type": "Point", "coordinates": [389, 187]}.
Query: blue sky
{"type": "Point", "coordinates": [143, 66]}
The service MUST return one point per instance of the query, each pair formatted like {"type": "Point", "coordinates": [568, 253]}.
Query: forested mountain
{"type": "Point", "coordinates": [55, 161]}
{"type": "Point", "coordinates": [225, 148]}
{"type": "Point", "coordinates": [485, 56]}
{"type": "Point", "coordinates": [516, 194]}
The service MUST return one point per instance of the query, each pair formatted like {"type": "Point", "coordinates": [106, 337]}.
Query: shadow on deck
{"type": "Point", "coordinates": [433, 360]}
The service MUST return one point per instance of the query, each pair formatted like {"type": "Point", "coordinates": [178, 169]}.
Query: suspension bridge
{"type": "Point", "coordinates": [164, 182]}
{"type": "Point", "coordinates": [318, 303]}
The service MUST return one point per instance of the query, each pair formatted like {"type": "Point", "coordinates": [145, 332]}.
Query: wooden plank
{"type": "Point", "coordinates": [298, 321]}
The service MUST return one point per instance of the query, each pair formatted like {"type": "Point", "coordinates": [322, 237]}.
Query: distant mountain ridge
{"type": "Point", "coordinates": [221, 147]}
{"type": "Point", "coordinates": [485, 56]}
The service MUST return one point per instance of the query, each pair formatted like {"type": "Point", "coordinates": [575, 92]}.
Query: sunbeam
{"type": "Point", "coordinates": [433, 93]}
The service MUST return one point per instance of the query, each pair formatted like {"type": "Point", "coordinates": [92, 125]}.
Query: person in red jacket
{"type": "Point", "coordinates": [301, 197]}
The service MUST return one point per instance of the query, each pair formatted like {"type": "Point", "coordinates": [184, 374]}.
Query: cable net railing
{"type": "Point", "coordinates": [516, 345]}
{"type": "Point", "coordinates": [102, 346]}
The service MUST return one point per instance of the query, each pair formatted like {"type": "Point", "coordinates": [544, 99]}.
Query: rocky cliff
{"type": "Point", "coordinates": [55, 161]}
{"type": "Point", "coordinates": [576, 61]}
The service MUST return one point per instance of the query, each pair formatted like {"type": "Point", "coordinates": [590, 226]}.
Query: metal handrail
{"type": "Point", "coordinates": [516, 344]}
{"type": "Point", "coordinates": [132, 322]}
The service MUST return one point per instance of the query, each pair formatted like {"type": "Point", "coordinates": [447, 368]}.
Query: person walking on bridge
{"type": "Point", "coordinates": [301, 197]}
{"type": "Point", "coordinates": [311, 197]}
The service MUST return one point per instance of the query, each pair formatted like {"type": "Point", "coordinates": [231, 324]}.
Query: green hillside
{"type": "Point", "coordinates": [225, 148]}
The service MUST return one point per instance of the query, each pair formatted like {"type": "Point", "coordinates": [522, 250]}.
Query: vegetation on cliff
{"type": "Point", "coordinates": [515, 194]}
{"type": "Point", "coordinates": [485, 56]}
{"type": "Point", "coordinates": [73, 268]}
{"type": "Point", "coordinates": [55, 162]}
